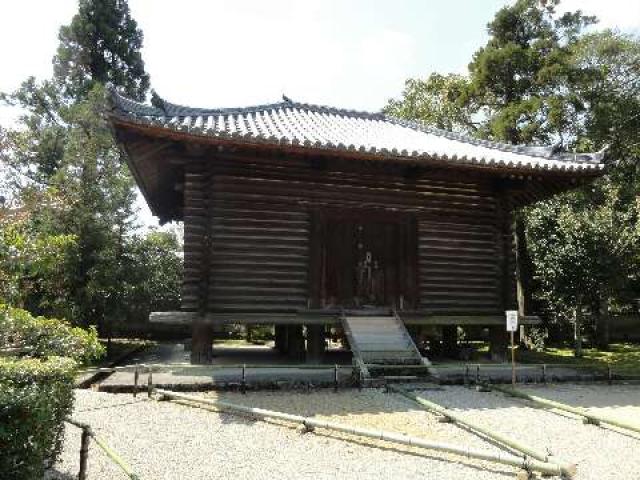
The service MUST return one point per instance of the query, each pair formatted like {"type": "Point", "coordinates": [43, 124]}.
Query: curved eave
{"type": "Point", "coordinates": [186, 134]}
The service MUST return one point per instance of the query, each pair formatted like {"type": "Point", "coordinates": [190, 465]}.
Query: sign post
{"type": "Point", "coordinates": [512, 326]}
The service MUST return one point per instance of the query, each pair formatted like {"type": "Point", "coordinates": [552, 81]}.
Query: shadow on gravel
{"type": "Point", "coordinates": [55, 474]}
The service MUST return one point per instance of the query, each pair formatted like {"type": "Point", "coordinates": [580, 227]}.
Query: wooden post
{"type": "Point", "coordinates": [450, 340]}
{"type": "Point", "coordinates": [280, 338]}
{"type": "Point", "coordinates": [197, 247]}
{"type": "Point", "coordinates": [150, 384]}
{"type": "Point", "coordinates": [295, 342]}
{"type": "Point", "coordinates": [315, 343]}
{"type": "Point", "coordinates": [498, 341]}
{"type": "Point", "coordinates": [202, 342]}
{"type": "Point", "coordinates": [84, 454]}
{"type": "Point", "coordinates": [513, 360]}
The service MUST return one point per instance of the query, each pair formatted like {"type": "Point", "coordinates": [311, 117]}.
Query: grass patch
{"type": "Point", "coordinates": [623, 358]}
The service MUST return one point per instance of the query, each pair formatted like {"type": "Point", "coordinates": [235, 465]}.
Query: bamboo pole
{"type": "Point", "coordinates": [593, 418]}
{"type": "Point", "coordinates": [503, 440]}
{"type": "Point", "coordinates": [111, 454]}
{"type": "Point", "coordinates": [310, 424]}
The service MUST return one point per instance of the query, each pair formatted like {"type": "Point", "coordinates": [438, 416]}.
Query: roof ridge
{"type": "Point", "coordinates": [174, 109]}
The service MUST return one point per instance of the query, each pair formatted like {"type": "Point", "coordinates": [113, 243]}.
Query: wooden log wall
{"type": "Point", "coordinates": [196, 237]}
{"type": "Point", "coordinates": [260, 223]}
{"type": "Point", "coordinates": [459, 267]}
{"type": "Point", "coordinates": [260, 258]}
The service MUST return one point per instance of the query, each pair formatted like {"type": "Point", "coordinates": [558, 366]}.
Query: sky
{"type": "Point", "coordinates": [225, 53]}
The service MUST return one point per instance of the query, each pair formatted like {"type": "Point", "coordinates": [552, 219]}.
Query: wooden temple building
{"type": "Point", "coordinates": [303, 215]}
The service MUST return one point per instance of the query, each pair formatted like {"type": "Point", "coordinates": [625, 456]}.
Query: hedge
{"type": "Point", "coordinates": [44, 337]}
{"type": "Point", "coordinates": [35, 397]}
{"type": "Point", "coordinates": [36, 391]}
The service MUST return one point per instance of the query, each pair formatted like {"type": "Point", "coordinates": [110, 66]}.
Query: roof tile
{"type": "Point", "coordinates": [312, 126]}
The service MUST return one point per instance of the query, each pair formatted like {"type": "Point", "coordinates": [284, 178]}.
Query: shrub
{"type": "Point", "coordinates": [36, 391]}
{"type": "Point", "coordinates": [35, 397]}
{"type": "Point", "coordinates": [44, 337]}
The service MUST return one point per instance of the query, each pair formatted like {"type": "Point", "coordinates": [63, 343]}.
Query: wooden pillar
{"type": "Point", "coordinates": [281, 338]}
{"type": "Point", "coordinates": [315, 343]}
{"type": "Point", "coordinates": [295, 343]}
{"type": "Point", "coordinates": [498, 342]}
{"type": "Point", "coordinates": [450, 341]}
{"type": "Point", "coordinates": [196, 259]}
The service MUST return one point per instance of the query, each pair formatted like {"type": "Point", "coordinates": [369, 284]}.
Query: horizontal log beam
{"type": "Point", "coordinates": [330, 317]}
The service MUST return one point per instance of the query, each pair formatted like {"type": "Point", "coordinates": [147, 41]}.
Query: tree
{"type": "Point", "coordinates": [541, 79]}
{"type": "Point", "coordinates": [602, 267]}
{"type": "Point", "coordinates": [32, 258]}
{"type": "Point", "coordinates": [609, 86]}
{"type": "Point", "coordinates": [519, 77]}
{"type": "Point", "coordinates": [101, 45]}
{"type": "Point", "coordinates": [66, 148]}
{"type": "Point", "coordinates": [435, 101]}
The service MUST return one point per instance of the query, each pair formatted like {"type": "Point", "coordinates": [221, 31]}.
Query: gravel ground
{"type": "Point", "coordinates": [165, 440]}
{"type": "Point", "coordinates": [600, 453]}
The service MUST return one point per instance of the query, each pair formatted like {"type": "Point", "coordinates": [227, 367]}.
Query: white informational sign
{"type": "Point", "coordinates": [512, 320]}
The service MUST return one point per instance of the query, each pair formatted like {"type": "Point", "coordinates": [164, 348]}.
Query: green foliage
{"type": "Point", "coordinates": [541, 79]}
{"type": "Point", "coordinates": [36, 391]}
{"type": "Point", "coordinates": [73, 250]}
{"type": "Point", "coordinates": [35, 397]}
{"type": "Point", "coordinates": [101, 46]}
{"type": "Point", "coordinates": [32, 273]}
{"type": "Point", "coordinates": [154, 275]}
{"type": "Point", "coordinates": [520, 74]}
{"type": "Point", "coordinates": [435, 101]}
{"type": "Point", "coordinates": [609, 83]}
{"type": "Point", "coordinates": [47, 337]}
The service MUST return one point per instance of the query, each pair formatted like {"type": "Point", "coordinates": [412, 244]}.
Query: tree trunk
{"type": "Point", "coordinates": [602, 326]}
{"type": "Point", "coordinates": [201, 342]}
{"type": "Point", "coordinates": [577, 329]}
{"type": "Point", "coordinates": [524, 268]}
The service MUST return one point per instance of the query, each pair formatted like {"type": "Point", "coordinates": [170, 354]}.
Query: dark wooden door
{"type": "Point", "coordinates": [366, 263]}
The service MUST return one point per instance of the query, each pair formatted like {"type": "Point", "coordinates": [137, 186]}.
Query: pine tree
{"type": "Point", "coordinates": [66, 146]}
{"type": "Point", "coordinates": [101, 45]}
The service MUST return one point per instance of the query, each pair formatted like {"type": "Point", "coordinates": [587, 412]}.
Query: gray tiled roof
{"type": "Point", "coordinates": [303, 125]}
